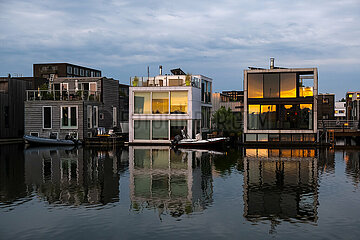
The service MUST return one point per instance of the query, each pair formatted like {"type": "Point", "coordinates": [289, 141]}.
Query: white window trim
{"type": "Point", "coordinates": [114, 116]}
{"type": "Point", "coordinates": [67, 86]}
{"type": "Point", "coordinates": [77, 117]}
{"type": "Point", "coordinates": [96, 116]}
{"type": "Point", "coordinates": [33, 133]}
{"type": "Point", "coordinates": [51, 114]}
{"type": "Point", "coordinates": [89, 107]}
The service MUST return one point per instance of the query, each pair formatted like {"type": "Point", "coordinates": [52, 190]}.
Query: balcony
{"type": "Point", "coordinates": [57, 95]}
{"type": "Point", "coordinates": [165, 81]}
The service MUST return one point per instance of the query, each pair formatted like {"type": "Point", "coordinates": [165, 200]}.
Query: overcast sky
{"type": "Point", "coordinates": [218, 39]}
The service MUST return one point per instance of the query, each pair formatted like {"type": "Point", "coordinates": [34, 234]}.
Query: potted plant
{"type": "Point", "coordinates": [188, 79]}
{"type": "Point", "coordinates": [135, 81]}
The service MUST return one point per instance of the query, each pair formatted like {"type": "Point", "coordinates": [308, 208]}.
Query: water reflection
{"type": "Point", "coordinates": [173, 182]}
{"type": "Point", "coordinates": [280, 184]}
{"type": "Point", "coordinates": [73, 176]}
{"type": "Point", "coordinates": [352, 170]}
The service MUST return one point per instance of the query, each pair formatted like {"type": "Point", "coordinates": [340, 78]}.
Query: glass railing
{"type": "Point", "coordinates": [167, 81]}
{"type": "Point", "coordinates": [57, 95]}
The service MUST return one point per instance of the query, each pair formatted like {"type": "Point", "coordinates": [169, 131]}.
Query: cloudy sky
{"type": "Point", "coordinates": [218, 39]}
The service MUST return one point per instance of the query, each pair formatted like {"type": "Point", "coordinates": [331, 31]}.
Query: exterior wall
{"type": "Point", "coordinates": [340, 111]}
{"type": "Point", "coordinates": [60, 69]}
{"type": "Point", "coordinates": [298, 100]}
{"type": "Point", "coordinates": [12, 125]}
{"type": "Point", "coordinates": [34, 120]}
{"type": "Point", "coordinates": [326, 106]}
{"type": "Point", "coordinates": [194, 109]}
{"type": "Point", "coordinates": [110, 99]}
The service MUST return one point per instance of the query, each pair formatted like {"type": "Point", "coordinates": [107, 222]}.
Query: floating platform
{"type": "Point", "coordinates": [104, 141]}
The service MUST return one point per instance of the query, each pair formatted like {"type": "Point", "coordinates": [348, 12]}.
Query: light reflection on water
{"type": "Point", "coordinates": [157, 192]}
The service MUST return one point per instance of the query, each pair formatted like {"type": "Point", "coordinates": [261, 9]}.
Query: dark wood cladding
{"type": "Point", "coordinates": [12, 107]}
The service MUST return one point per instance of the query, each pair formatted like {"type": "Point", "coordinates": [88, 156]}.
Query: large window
{"type": "Point", "coordinates": [271, 85]}
{"type": "Point", "coordinates": [176, 126]}
{"type": "Point", "coordinates": [142, 103]}
{"type": "Point", "coordinates": [285, 117]}
{"type": "Point", "coordinates": [160, 102]}
{"type": "Point", "coordinates": [178, 102]}
{"type": "Point", "coordinates": [255, 86]}
{"type": "Point", "coordinates": [142, 129]}
{"type": "Point", "coordinates": [69, 117]}
{"type": "Point", "coordinates": [288, 85]}
{"type": "Point", "coordinates": [95, 117]}
{"type": "Point", "coordinates": [47, 116]}
{"type": "Point", "coordinates": [160, 130]}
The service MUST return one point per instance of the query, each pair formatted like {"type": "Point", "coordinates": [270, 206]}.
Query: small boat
{"type": "Point", "coordinates": [206, 143]}
{"type": "Point", "coordinates": [32, 140]}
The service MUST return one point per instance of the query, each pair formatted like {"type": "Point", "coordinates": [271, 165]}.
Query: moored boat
{"type": "Point", "coordinates": [206, 143]}
{"type": "Point", "coordinates": [32, 140]}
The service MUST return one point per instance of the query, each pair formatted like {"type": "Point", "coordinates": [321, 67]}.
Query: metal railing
{"type": "Point", "coordinates": [338, 124]}
{"type": "Point", "coordinates": [167, 81]}
{"type": "Point", "coordinates": [58, 95]}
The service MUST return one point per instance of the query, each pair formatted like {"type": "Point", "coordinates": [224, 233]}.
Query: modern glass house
{"type": "Point", "coordinates": [280, 105]}
{"type": "Point", "coordinates": [161, 106]}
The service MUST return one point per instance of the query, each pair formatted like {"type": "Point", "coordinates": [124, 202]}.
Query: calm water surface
{"type": "Point", "coordinates": [158, 193]}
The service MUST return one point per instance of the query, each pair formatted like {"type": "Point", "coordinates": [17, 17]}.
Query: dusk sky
{"type": "Point", "coordinates": [218, 39]}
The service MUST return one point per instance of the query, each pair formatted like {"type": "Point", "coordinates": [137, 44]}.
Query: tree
{"type": "Point", "coordinates": [224, 120]}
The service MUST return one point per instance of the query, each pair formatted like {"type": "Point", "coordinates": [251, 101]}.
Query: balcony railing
{"type": "Point", "coordinates": [58, 95]}
{"type": "Point", "coordinates": [167, 81]}
{"type": "Point", "coordinates": [338, 124]}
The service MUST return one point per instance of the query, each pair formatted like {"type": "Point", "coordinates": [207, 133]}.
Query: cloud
{"type": "Point", "coordinates": [219, 38]}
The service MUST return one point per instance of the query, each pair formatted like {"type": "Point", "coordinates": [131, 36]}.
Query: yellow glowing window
{"type": "Point", "coordinates": [306, 91]}
{"type": "Point", "coordinates": [288, 106]}
{"type": "Point", "coordinates": [255, 86]}
{"type": "Point", "coordinates": [304, 106]}
{"type": "Point", "coordinates": [288, 85]}
{"type": "Point", "coordinates": [350, 95]}
{"type": "Point", "coordinates": [160, 102]}
{"type": "Point", "coordinates": [268, 108]}
{"type": "Point", "coordinates": [178, 102]}
{"type": "Point", "coordinates": [254, 109]}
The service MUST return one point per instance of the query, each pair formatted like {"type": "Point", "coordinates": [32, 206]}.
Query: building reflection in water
{"type": "Point", "coordinates": [174, 183]}
{"type": "Point", "coordinates": [73, 176]}
{"type": "Point", "coordinates": [352, 169]}
{"type": "Point", "coordinates": [280, 184]}
{"type": "Point", "coordinates": [12, 172]}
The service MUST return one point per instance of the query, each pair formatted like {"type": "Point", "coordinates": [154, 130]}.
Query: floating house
{"type": "Point", "coordinates": [72, 106]}
{"type": "Point", "coordinates": [280, 104]}
{"type": "Point", "coordinates": [161, 106]}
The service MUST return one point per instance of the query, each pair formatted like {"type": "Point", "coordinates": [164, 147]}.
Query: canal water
{"type": "Point", "coordinates": [158, 193]}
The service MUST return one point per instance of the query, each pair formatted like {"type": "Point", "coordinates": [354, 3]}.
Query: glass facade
{"type": "Point", "coordinates": [176, 126]}
{"type": "Point", "coordinates": [178, 102]}
{"type": "Point", "coordinates": [142, 103]}
{"type": "Point", "coordinates": [271, 85]}
{"type": "Point", "coordinates": [160, 130]}
{"type": "Point", "coordinates": [255, 85]}
{"type": "Point", "coordinates": [142, 129]}
{"type": "Point", "coordinates": [280, 116]}
{"type": "Point", "coordinates": [288, 85]}
{"type": "Point", "coordinates": [160, 102]}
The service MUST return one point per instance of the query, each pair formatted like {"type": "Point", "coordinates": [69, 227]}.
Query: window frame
{"type": "Point", "coordinates": [61, 117]}
{"type": "Point", "coordinates": [51, 114]}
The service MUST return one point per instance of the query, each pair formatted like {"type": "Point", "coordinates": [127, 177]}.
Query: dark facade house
{"type": "Point", "coordinates": [12, 97]}
{"type": "Point", "coordinates": [326, 106]}
{"type": "Point", "coordinates": [44, 70]}
{"type": "Point", "coordinates": [280, 105]}
{"type": "Point", "coordinates": [73, 106]}
{"type": "Point", "coordinates": [352, 100]}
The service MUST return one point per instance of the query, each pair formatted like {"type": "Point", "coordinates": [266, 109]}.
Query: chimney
{"type": "Point", "coordinates": [272, 63]}
{"type": "Point", "coordinates": [160, 69]}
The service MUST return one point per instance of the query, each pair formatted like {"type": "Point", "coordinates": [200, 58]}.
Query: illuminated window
{"type": "Point", "coordinates": [142, 103]}
{"type": "Point", "coordinates": [160, 102]}
{"type": "Point", "coordinates": [288, 85]}
{"type": "Point", "coordinates": [271, 85]}
{"type": "Point", "coordinates": [178, 102]}
{"type": "Point", "coordinates": [255, 86]}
